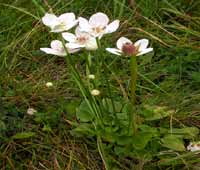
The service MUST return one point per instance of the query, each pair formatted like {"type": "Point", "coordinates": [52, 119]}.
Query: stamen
{"type": "Point", "coordinates": [129, 49]}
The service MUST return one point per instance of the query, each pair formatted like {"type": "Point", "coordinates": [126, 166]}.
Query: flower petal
{"type": "Point", "coordinates": [50, 20]}
{"type": "Point", "coordinates": [142, 44]}
{"type": "Point", "coordinates": [69, 37]}
{"type": "Point", "coordinates": [121, 41]}
{"type": "Point", "coordinates": [114, 51]}
{"type": "Point", "coordinates": [52, 51]}
{"type": "Point", "coordinates": [112, 27]}
{"type": "Point", "coordinates": [99, 19]}
{"type": "Point", "coordinates": [80, 33]}
{"type": "Point", "coordinates": [57, 45]}
{"type": "Point", "coordinates": [74, 45]}
{"type": "Point", "coordinates": [71, 51]}
{"type": "Point", "coordinates": [66, 17]}
{"type": "Point", "coordinates": [84, 25]}
{"type": "Point", "coordinates": [58, 28]}
{"type": "Point", "coordinates": [147, 50]}
{"type": "Point", "coordinates": [71, 24]}
{"type": "Point", "coordinates": [67, 21]}
{"type": "Point", "coordinates": [91, 44]}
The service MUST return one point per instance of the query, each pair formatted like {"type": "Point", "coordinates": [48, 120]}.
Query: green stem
{"type": "Point", "coordinates": [133, 68]}
{"type": "Point", "coordinates": [84, 91]}
{"type": "Point", "coordinates": [102, 152]}
{"type": "Point", "coordinates": [88, 65]}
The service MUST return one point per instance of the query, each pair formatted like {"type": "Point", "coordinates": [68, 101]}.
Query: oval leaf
{"type": "Point", "coordinates": [173, 142]}
{"type": "Point", "coordinates": [23, 135]}
{"type": "Point", "coordinates": [84, 113]}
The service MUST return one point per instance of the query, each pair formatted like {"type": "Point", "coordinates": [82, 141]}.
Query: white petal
{"type": "Point", "coordinates": [58, 28]}
{"type": "Point", "coordinates": [57, 45]}
{"type": "Point", "coordinates": [99, 19]}
{"type": "Point", "coordinates": [114, 51]}
{"type": "Point", "coordinates": [71, 24]}
{"type": "Point", "coordinates": [91, 44]}
{"type": "Point", "coordinates": [121, 41]}
{"type": "Point", "coordinates": [74, 45]}
{"type": "Point", "coordinates": [69, 37]}
{"type": "Point", "coordinates": [147, 50]}
{"type": "Point", "coordinates": [84, 24]}
{"type": "Point", "coordinates": [50, 20]}
{"type": "Point", "coordinates": [100, 35]}
{"type": "Point", "coordinates": [142, 44]}
{"type": "Point", "coordinates": [112, 27]}
{"type": "Point", "coordinates": [66, 17]}
{"type": "Point", "coordinates": [80, 33]}
{"type": "Point", "coordinates": [73, 50]}
{"type": "Point", "coordinates": [67, 21]}
{"type": "Point", "coordinates": [52, 51]}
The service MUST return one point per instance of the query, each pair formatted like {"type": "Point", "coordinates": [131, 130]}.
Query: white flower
{"type": "Point", "coordinates": [31, 111]}
{"type": "Point", "coordinates": [49, 84]}
{"type": "Point", "coordinates": [98, 25]}
{"type": "Point", "coordinates": [95, 92]}
{"type": "Point", "coordinates": [91, 76]}
{"type": "Point", "coordinates": [62, 23]}
{"type": "Point", "coordinates": [57, 49]}
{"type": "Point", "coordinates": [194, 146]}
{"type": "Point", "coordinates": [126, 47]}
{"type": "Point", "coordinates": [80, 40]}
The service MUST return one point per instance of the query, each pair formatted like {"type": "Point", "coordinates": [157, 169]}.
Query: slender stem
{"type": "Point", "coordinates": [102, 152]}
{"type": "Point", "coordinates": [133, 67]}
{"type": "Point", "coordinates": [98, 43]}
{"type": "Point", "coordinates": [84, 91]}
{"type": "Point", "coordinates": [88, 65]}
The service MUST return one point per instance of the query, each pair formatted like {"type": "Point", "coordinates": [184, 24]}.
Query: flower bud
{"type": "Point", "coordinates": [91, 76]}
{"type": "Point", "coordinates": [31, 111]}
{"type": "Point", "coordinates": [95, 92]}
{"type": "Point", "coordinates": [129, 49]}
{"type": "Point", "coordinates": [49, 84]}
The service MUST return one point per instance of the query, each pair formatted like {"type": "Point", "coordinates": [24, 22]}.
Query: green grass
{"type": "Point", "coordinates": [170, 77]}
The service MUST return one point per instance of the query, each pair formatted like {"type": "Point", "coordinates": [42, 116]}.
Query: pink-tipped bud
{"type": "Point", "coordinates": [129, 49]}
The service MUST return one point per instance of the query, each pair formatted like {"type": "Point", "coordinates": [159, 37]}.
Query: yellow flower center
{"type": "Point", "coordinates": [98, 29]}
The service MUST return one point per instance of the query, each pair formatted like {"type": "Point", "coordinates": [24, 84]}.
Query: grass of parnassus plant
{"type": "Point", "coordinates": [168, 81]}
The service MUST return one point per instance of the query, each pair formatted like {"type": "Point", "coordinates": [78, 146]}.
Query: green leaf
{"type": "Point", "coordinates": [141, 139]}
{"type": "Point", "coordinates": [127, 108]}
{"type": "Point", "coordinates": [173, 142]}
{"type": "Point", "coordinates": [123, 151]}
{"type": "Point", "coordinates": [2, 125]}
{"type": "Point", "coordinates": [107, 103]}
{"type": "Point", "coordinates": [170, 162]}
{"type": "Point", "coordinates": [155, 112]}
{"type": "Point", "coordinates": [71, 107]}
{"type": "Point", "coordinates": [84, 113]}
{"type": "Point", "coordinates": [148, 129]}
{"type": "Point", "coordinates": [46, 128]}
{"type": "Point", "coordinates": [23, 135]}
{"type": "Point", "coordinates": [187, 132]}
{"type": "Point", "coordinates": [84, 129]}
{"type": "Point", "coordinates": [124, 140]}
{"type": "Point", "coordinates": [196, 76]}
{"type": "Point", "coordinates": [123, 118]}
